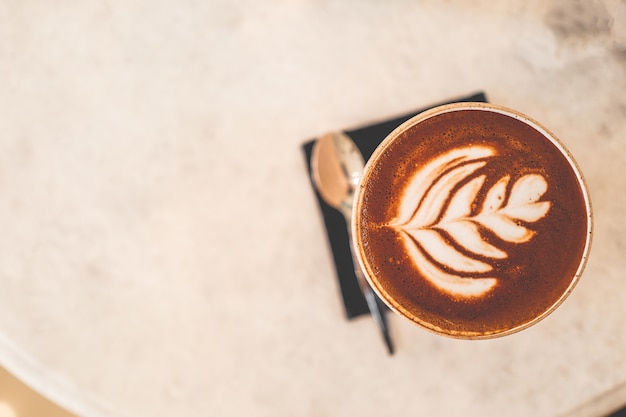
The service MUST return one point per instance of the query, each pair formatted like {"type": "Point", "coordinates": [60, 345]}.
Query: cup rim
{"type": "Point", "coordinates": [442, 109]}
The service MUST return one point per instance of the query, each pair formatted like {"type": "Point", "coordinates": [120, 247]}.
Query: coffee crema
{"type": "Point", "coordinates": [472, 220]}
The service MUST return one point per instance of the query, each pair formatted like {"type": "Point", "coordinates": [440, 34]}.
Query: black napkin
{"type": "Point", "coordinates": [367, 138]}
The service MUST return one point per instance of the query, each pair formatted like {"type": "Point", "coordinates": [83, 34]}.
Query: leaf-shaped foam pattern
{"type": "Point", "coordinates": [437, 205]}
{"type": "Point", "coordinates": [522, 205]}
{"type": "Point", "coordinates": [421, 181]}
{"type": "Point", "coordinates": [461, 203]}
{"type": "Point", "coordinates": [529, 213]}
{"type": "Point", "coordinates": [467, 235]}
{"type": "Point", "coordinates": [431, 206]}
{"type": "Point", "coordinates": [496, 195]}
{"type": "Point", "coordinates": [527, 189]}
{"type": "Point", "coordinates": [504, 227]}
{"type": "Point", "coordinates": [450, 283]}
{"type": "Point", "coordinates": [446, 254]}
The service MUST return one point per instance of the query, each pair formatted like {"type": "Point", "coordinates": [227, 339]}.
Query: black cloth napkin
{"type": "Point", "coordinates": [367, 138]}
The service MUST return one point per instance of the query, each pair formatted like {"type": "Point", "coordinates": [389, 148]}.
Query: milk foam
{"type": "Point", "coordinates": [442, 235]}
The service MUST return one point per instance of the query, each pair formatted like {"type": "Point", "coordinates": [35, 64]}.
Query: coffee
{"type": "Point", "coordinates": [472, 220]}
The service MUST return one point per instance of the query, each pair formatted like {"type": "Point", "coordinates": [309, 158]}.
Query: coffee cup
{"type": "Point", "coordinates": [472, 220]}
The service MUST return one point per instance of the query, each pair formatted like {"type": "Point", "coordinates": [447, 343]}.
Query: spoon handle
{"type": "Point", "coordinates": [377, 313]}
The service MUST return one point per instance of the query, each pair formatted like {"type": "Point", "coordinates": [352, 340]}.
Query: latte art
{"type": "Point", "coordinates": [444, 234]}
{"type": "Point", "coordinates": [472, 221]}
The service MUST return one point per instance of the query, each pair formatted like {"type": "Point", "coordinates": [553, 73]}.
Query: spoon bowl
{"type": "Point", "coordinates": [337, 166]}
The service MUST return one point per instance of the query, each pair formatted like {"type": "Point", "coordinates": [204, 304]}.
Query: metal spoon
{"type": "Point", "coordinates": [336, 168]}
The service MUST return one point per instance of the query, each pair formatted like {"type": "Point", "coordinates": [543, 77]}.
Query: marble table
{"type": "Point", "coordinates": [161, 250]}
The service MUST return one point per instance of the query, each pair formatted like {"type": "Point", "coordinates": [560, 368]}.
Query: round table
{"type": "Point", "coordinates": [162, 251]}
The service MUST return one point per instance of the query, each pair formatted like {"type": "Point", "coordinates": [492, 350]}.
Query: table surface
{"type": "Point", "coordinates": [162, 252]}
